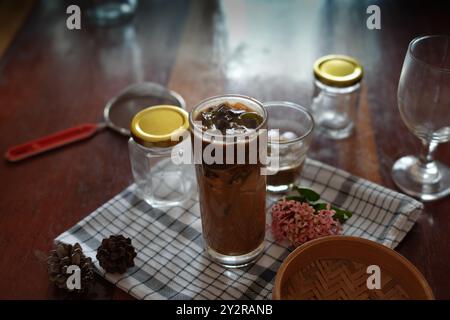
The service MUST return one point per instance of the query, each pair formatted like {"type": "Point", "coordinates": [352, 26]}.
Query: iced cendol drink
{"type": "Point", "coordinates": [227, 139]}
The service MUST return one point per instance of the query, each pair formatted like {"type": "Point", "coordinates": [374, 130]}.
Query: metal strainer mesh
{"type": "Point", "coordinates": [120, 110]}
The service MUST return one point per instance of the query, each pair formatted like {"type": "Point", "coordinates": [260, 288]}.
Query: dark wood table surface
{"type": "Point", "coordinates": [52, 78]}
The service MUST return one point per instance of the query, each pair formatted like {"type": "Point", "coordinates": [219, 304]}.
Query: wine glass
{"type": "Point", "coordinates": [424, 104]}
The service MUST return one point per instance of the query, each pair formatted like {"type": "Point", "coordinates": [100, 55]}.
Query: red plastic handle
{"type": "Point", "coordinates": [53, 141]}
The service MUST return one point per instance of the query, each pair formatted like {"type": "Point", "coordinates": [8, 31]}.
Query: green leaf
{"type": "Point", "coordinates": [295, 198]}
{"type": "Point", "coordinates": [341, 214]}
{"type": "Point", "coordinates": [308, 194]}
{"type": "Point", "coordinates": [320, 206]}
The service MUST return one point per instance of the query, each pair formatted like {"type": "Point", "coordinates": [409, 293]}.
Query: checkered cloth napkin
{"type": "Point", "coordinates": [171, 262]}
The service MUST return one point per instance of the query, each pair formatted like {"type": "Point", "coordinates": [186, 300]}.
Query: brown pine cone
{"type": "Point", "coordinates": [116, 254]}
{"type": "Point", "coordinates": [65, 255]}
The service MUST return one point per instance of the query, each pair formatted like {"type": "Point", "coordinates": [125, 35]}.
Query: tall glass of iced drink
{"type": "Point", "coordinates": [229, 145]}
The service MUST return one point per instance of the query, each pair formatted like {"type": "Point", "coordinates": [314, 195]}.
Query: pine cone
{"type": "Point", "coordinates": [116, 254]}
{"type": "Point", "coordinates": [65, 255]}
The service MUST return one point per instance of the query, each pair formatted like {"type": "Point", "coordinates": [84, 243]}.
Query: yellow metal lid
{"type": "Point", "coordinates": [155, 125]}
{"type": "Point", "coordinates": [338, 70]}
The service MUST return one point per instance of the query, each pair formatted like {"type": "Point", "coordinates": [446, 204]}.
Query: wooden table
{"type": "Point", "coordinates": [52, 78]}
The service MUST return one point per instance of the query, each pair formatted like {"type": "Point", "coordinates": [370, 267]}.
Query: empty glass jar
{"type": "Point", "coordinates": [336, 95]}
{"type": "Point", "coordinates": [159, 142]}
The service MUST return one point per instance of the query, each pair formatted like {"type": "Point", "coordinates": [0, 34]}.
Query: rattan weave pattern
{"type": "Point", "coordinates": [340, 279]}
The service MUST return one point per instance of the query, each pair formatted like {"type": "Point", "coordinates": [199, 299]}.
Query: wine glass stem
{"type": "Point", "coordinates": [425, 170]}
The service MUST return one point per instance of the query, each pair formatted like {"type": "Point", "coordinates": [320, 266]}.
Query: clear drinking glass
{"type": "Point", "coordinates": [159, 181]}
{"type": "Point", "coordinates": [290, 132]}
{"type": "Point", "coordinates": [232, 193]}
{"type": "Point", "coordinates": [424, 104]}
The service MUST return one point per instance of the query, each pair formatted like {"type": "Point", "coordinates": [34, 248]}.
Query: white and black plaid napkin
{"type": "Point", "coordinates": [171, 262]}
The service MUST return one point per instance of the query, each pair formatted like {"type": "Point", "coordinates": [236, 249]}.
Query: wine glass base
{"type": "Point", "coordinates": [401, 174]}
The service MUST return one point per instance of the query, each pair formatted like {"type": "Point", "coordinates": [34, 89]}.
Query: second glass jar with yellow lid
{"type": "Point", "coordinates": [336, 95]}
{"type": "Point", "coordinates": [159, 139]}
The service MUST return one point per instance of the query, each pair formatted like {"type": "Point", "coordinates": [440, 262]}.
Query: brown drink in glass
{"type": "Point", "coordinates": [227, 140]}
{"type": "Point", "coordinates": [290, 130]}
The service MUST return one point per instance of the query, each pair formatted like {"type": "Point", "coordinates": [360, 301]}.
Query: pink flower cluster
{"type": "Point", "coordinates": [299, 222]}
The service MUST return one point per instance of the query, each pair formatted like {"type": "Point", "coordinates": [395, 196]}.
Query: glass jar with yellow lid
{"type": "Point", "coordinates": [336, 95]}
{"type": "Point", "coordinates": [159, 142]}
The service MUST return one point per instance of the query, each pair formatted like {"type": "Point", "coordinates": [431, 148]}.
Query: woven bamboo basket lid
{"type": "Point", "coordinates": [335, 268]}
